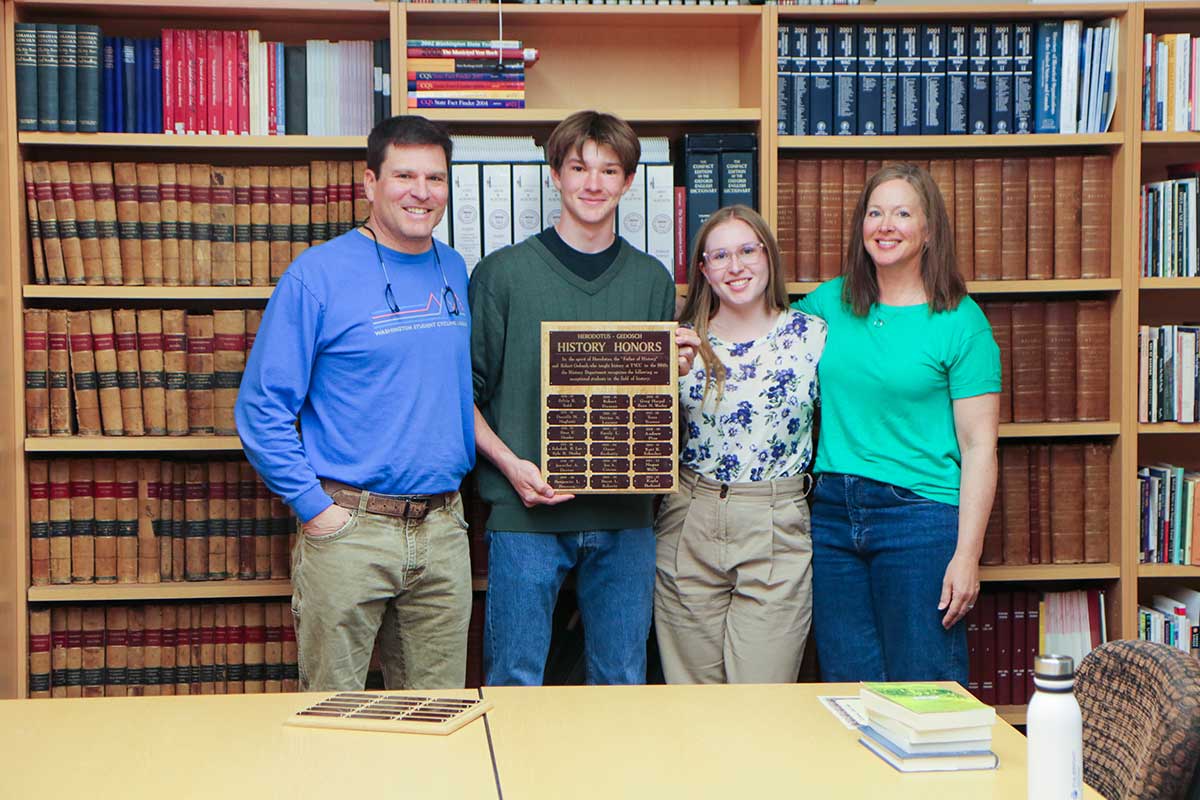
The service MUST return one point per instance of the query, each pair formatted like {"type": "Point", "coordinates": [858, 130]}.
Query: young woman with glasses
{"type": "Point", "coordinates": [906, 459]}
{"type": "Point", "coordinates": [733, 598]}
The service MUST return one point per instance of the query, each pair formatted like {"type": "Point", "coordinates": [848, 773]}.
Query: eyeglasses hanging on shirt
{"type": "Point", "coordinates": [449, 298]}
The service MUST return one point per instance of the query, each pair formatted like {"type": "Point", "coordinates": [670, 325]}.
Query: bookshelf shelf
{"type": "Point", "coordinates": [1168, 427]}
{"type": "Point", "coordinates": [422, 13]}
{"type": "Point", "coordinates": [1169, 283]}
{"type": "Point", "coordinates": [1000, 11]}
{"type": "Point", "coordinates": [221, 10]}
{"type": "Point", "coordinates": [1040, 141]}
{"type": "Point", "coordinates": [170, 590]}
{"type": "Point", "coordinates": [1168, 571]}
{"type": "Point", "coordinates": [132, 444]}
{"type": "Point", "coordinates": [1022, 430]}
{"type": "Point", "coordinates": [1170, 137]}
{"type": "Point", "coordinates": [166, 140]}
{"type": "Point", "coordinates": [556, 115]}
{"type": "Point", "coordinates": [1045, 287]}
{"type": "Point", "coordinates": [1051, 572]}
{"type": "Point", "coordinates": [31, 291]}
{"type": "Point", "coordinates": [1013, 715]}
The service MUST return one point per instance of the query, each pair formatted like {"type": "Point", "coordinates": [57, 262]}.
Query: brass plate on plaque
{"type": "Point", "coordinates": [610, 407]}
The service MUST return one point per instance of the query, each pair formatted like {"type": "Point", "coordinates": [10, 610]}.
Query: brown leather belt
{"type": "Point", "coordinates": [413, 507]}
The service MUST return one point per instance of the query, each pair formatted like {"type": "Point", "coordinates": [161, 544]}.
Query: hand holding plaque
{"type": "Point", "coordinates": [610, 407]}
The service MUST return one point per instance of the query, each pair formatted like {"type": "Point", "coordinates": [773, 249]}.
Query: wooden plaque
{"type": "Point", "coordinates": [610, 419]}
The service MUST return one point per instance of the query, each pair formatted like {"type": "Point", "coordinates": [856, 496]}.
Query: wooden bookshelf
{"type": "Point", "coordinates": [1035, 141]}
{"type": "Point", "coordinates": [173, 590]}
{"type": "Point", "coordinates": [1013, 715]}
{"type": "Point", "coordinates": [152, 140]}
{"type": "Point", "coordinates": [32, 291]}
{"type": "Point", "coordinates": [131, 444]}
{"type": "Point", "coordinates": [668, 69]}
{"type": "Point", "coordinates": [1168, 427]}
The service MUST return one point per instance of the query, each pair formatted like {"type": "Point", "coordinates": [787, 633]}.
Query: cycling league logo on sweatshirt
{"type": "Point", "coordinates": [430, 312]}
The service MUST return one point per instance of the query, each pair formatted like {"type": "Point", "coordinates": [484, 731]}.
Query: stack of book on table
{"type": "Point", "coordinates": [451, 73]}
{"type": "Point", "coordinates": [923, 727]}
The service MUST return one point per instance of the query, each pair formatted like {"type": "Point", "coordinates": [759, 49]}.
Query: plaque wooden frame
{"type": "Point", "coordinates": [595, 422]}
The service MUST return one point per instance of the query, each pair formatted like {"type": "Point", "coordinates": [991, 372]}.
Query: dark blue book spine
{"type": "Point", "coordinates": [820, 87]}
{"type": "Point", "coordinates": [845, 80]}
{"type": "Point", "coordinates": [144, 83]}
{"type": "Point", "coordinates": [785, 101]}
{"type": "Point", "coordinates": [957, 72]}
{"type": "Point", "coordinates": [156, 86]}
{"type": "Point", "coordinates": [1023, 77]}
{"type": "Point", "coordinates": [47, 76]}
{"type": "Point", "coordinates": [1002, 78]}
{"type": "Point", "coordinates": [376, 83]}
{"type": "Point", "coordinates": [910, 81]}
{"type": "Point", "coordinates": [1047, 73]}
{"type": "Point", "coordinates": [67, 72]}
{"type": "Point", "coordinates": [107, 85]}
{"type": "Point", "coordinates": [889, 42]}
{"type": "Point", "coordinates": [118, 97]}
{"type": "Point", "coordinates": [87, 75]}
{"type": "Point", "coordinates": [870, 81]}
{"type": "Point", "coordinates": [800, 47]}
{"type": "Point", "coordinates": [979, 95]}
{"type": "Point", "coordinates": [25, 51]}
{"type": "Point", "coordinates": [737, 179]}
{"type": "Point", "coordinates": [702, 171]}
{"type": "Point", "coordinates": [129, 83]}
{"type": "Point", "coordinates": [933, 79]}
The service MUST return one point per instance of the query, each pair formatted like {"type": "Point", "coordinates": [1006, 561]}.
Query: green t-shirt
{"type": "Point", "coordinates": [887, 382]}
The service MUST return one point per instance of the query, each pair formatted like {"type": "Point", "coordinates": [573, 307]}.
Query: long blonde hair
{"type": "Point", "coordinates": [702, 302]}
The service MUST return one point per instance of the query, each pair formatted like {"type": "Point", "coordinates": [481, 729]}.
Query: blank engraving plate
{"type": "Point", "coordinates": [390, 712]}
{"type": "Point", "coordinates": [609, 407]}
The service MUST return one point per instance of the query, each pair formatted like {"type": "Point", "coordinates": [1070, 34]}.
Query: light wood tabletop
{"type": "Point", "coordinates": [711, 742]}
{"type": "Point", "coordinates": [227, 746]}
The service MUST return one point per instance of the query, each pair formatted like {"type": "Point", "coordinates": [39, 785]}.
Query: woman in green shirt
{"type": "Point", "coordinates": [906, 457]}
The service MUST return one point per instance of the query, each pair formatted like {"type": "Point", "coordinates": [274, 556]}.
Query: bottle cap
{"type": "Point", "coordinates": [1054, 667]}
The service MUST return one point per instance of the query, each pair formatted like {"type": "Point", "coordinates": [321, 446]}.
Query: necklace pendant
{"type": "Point", "coordinates": [878, 322]}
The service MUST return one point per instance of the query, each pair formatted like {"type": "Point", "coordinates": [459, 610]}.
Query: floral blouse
{"type": "Point", "coordinates": [762, 428]}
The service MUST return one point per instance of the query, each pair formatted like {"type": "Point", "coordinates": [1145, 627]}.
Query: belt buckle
{"type": "Point", "coordinates": [416, 509]}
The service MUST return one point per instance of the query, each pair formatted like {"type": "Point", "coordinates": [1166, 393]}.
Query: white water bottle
{"type": "Point", "coordinates": [1055, 732]}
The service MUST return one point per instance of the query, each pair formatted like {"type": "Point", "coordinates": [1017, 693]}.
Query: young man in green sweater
{"type": "Point", "coordinates": [578, 270]}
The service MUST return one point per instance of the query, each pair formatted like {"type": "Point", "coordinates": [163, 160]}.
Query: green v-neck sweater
{"type": "Point", "coordinates": [512, 292]}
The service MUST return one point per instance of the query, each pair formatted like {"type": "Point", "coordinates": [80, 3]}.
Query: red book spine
{"type": "Point", "coordinates": [243, 80]}
{"type": "Point", "coordinates": [1032, 639]}
{"type": "Point", "coordinates": [216, 67]}
{"type": "Point", "coordinates": [973, 665]}
{"type": "Point", "coordinates": [1020, 657]}
{"type": "Point", "coordinates": [272, 111]}
{"type": "Point", "coordinates": [434, 86]}
{"type": "Point", "coordinates": [168, 84]}
{"type": "Point", "coordinates": [681, 256]}
{"type": "Point", "coordinates": [178, 76]}
{"type": "Point", "coordinates": [987, 648]}
{"type": "Point", "coordinates": [191, 86]}
{"type": "Point", "coordinates": [1004, 648]}
{"type": "Point", "coordinates": [202, 97]}
{"type": "Point", "coordinates": [229, 82]}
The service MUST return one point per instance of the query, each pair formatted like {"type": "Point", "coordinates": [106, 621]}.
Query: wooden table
{"type": "Point", "coordinates": [225, 746]}
{"type": "Point", "coordinates": [718, 742]}
{"type": "Point", "coordinates": [652, 742]}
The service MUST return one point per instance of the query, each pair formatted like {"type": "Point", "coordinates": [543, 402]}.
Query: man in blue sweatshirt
{"type": "Point", "coordinates": [366, 340]}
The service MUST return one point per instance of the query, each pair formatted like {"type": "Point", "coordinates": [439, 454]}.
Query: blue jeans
{"type": "Point", "coordinates": [879, 555]}
{"type": "Point", "coordinates": [615, 586]}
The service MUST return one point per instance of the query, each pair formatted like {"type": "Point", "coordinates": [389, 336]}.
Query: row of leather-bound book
{"type": "Point", "coordinates": [135, 224]}
{"type": "Point", "coordinates": [1013, 218]}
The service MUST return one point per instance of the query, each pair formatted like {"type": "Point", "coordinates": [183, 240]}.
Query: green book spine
{"type": "Point", "coordinates": [47, 76]}
{"type": "Point", "coordinates": [25, 47]}
{"type": "Point", "coordinates": [67, 121]}
{"type": "Point", "coordinates": [87, 77]}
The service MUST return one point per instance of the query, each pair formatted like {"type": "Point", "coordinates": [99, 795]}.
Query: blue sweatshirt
{"type": "Point", "coordinates": [384, 398]}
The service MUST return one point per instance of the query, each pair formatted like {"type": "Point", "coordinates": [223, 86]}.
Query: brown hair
{"type": "Point", "coordinates": [401, 130]}
{"type": "Point", "coordinates": [702, 302]}
{"type": "Point", "coordinates": [944, 286]}
{"type": "Point", "coordinates": [573, 132]}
